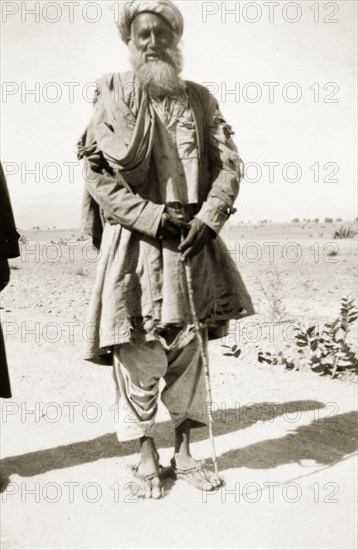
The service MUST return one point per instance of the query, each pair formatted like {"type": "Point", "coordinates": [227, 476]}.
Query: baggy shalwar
{"type": "Point", "coordinates": [137, 371]}
{"type": "Point", "coordinates": [140, 284]}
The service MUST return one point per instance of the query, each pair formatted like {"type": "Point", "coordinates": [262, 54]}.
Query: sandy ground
{"type": "Point", "coordinates": [286, 441]}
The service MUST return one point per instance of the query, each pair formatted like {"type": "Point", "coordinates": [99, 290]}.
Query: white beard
{"type": "Point", "coordinates": [160, 78]}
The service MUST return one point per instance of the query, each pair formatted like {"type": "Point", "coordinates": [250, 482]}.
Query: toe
{"type": "Point", "coordinates": [211, 481]}
{"type": "Point", "coordinates": [157, 489]}
{"type": "Point", "coordinates": [148, 490]}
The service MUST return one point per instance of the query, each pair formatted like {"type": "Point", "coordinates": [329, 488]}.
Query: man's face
{"type": "Point", "coordinates": [155, 56]}
{"type": "Point", "coordinates": [151, 36]}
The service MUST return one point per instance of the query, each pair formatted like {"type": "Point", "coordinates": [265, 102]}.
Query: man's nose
{"type": "Point", "coordinates": [153, 40]}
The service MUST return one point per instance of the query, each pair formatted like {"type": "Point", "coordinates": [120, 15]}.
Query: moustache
{"type": "Point", "coordinates": [169, 56]}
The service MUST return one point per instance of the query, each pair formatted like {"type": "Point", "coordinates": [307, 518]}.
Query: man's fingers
{"type": "Point", "coordinates": [180, 224]}
{"type": "Point", "coordinates": [192, 248]}
{"type": "Point", "coordinates": [189, 252]}
{"type": "Point", "coordinates": [187, 243]}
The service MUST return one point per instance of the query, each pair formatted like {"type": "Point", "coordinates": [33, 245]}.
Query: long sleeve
{"type": "Point", "coordinates": [226, 166]}
{"type": "Point", "coordinates": [115, 198]}
{"type": "Point", "coordinates": [118, 202]}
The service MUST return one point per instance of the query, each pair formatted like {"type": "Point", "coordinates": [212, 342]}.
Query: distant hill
{"type": "Point", "coordinates": [63, 211]}
{"type": "Point", "coordinates": [47, 211]}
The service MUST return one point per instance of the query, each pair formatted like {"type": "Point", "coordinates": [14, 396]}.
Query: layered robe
{"type": "Point", "coordinates": [140, 286]}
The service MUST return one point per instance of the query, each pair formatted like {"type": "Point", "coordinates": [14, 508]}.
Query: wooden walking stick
{"type": "Point", "coordinates": [202, 348]}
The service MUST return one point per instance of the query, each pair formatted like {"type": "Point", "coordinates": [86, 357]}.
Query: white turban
{"type": "Point", "coordinates": [164, 8]}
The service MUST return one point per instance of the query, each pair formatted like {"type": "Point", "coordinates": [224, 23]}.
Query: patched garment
{"type": "Point", "coordinates": [141, 286]}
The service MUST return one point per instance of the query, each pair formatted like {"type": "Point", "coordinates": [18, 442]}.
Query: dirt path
{"type": "Point", "coordinates": [285, 442]}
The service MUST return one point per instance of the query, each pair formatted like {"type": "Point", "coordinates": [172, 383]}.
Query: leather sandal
{"type": "Point", "coordinates": [204, 481]}
{"type": "Point", "coordinates": [148, 478]}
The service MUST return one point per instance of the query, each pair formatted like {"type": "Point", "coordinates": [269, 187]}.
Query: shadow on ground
{"type": "Point", "coordinates": [326, 441]}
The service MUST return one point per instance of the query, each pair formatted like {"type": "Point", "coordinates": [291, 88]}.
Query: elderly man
{"type": "Point", "coordinates": [162, 175]}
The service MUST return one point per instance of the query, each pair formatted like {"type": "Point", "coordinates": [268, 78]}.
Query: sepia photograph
{"type": "Point", "coordinates": [178, 275]}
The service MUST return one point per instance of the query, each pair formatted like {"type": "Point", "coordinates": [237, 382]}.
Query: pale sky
{"type": "Point", "coordinates": [229, 51]}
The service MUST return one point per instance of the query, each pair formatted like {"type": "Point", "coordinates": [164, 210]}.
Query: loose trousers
{"type": "Point", "coordinates": [137, 370]}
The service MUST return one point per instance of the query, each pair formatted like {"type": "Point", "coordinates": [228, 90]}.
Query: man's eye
{"type": "Point", "coordinates": [163, 35]}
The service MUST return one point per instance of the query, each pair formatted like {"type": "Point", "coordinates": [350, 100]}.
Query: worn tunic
{"type": "Point", "coordinates": [175, 151]}
{"type": "Point", "coordinates": [140, 285]}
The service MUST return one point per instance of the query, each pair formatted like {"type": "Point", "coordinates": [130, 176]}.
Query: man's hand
{"type": "Point", "coordinates": [172, 227]}
{"type": "Point", "coordinates": [198, 236]}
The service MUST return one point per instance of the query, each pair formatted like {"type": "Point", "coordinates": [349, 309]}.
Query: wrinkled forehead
{"type": "Point", "coordinates": [150, 21]}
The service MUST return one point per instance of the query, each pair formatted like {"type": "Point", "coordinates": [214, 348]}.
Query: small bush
{"type": "Point", "coordinates": [326, 350]}
{"type": "Point", "coordinates": [272, 288]}
{"type": "Point", "coordinates": [344, 233]}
